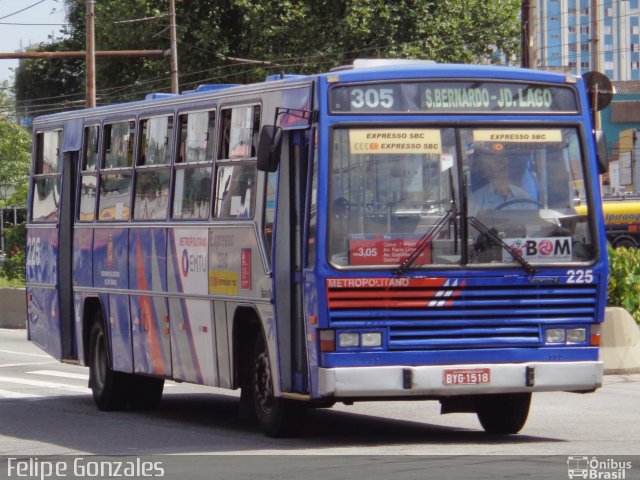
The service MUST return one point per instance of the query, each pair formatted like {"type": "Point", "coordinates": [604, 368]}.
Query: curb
{"type": "Point", "coordinates": [13, 308]}
{"type": "Point", "coordinates": [620, 345]}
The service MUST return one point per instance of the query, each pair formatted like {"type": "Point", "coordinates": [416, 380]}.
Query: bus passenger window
{"type": "Point", "coordinates": [89, 179]}
{"type": "Point", "coordinates": [114, 196]}
{"type": "Point", "coordinates": [156, 141]}
{"type": "Point", "coordinates": [192, 193]}
{"type": "Point", "coordinates": [194, 160]}
{"type": "Point", "coordinates": [119, 144]}
{"type": "Point", "coordinates": [196, 137]}
{"type": "Point", "coordinates": [236, 172]}
{"type": "Point", "coordinates": [240, 130]}
{"type": "Point", "coordinates": [46, 178]}
{"type": "Point", "coordinates": [235, 191]}
{"type": "Point", "coordinates": [115, 175]}
{"type": "Point", "coordinates": [153, 173]}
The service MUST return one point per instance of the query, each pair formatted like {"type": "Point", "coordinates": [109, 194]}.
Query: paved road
{"type": "Point", "coordinates": [47, 409]}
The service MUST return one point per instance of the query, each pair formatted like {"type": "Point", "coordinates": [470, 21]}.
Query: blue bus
{"type": "Point", "coordinates": [384, 231]}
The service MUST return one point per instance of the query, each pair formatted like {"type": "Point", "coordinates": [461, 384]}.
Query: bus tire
{"type": "Point", "coordinates": [109, 388]}
{"type": "Point", "coordinates": [146, 392]}
{"type": "Point", "coordinates": [277, 417]}
{"type": "Point", "coordinates": [503, 414]}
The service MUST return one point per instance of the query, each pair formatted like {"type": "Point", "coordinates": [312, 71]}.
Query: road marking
{"type": "Point", "coordinates": [55, 373]}
{"type": "Point", "coordinates": [10, 394]}
{"type": "Point", "coordinates": [27, 354]}
{"type": "Point", "coordinates": [27, 364]}
{"type": "Point", "coordinates": [40, 383]}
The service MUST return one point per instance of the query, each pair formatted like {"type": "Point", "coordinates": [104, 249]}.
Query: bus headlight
{"type": "Point", "coordinates": [373, 339]}
{"type": "Point", "coordinates": [359, 339]}
{"type": "Point", "coordinates": [555, 335]}
{"type": "Point", "coordinates": [576, 335]}
{"type": "Point", "coordinates": [346, 339]}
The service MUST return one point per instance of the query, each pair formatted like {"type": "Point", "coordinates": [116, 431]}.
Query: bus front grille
{"type": "Point", "coordinates": [475, 313]}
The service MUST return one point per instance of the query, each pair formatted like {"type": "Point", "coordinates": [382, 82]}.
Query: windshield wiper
{"type": "Point", "coordinates": [425, 240]}
{"type": "Point", "coordinates": [429, 235]}
{"type": "Point", "coordinates": [493, 235]}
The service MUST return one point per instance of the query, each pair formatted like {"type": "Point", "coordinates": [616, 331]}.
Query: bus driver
{"type": "Point", "coordinates": [499, 191]}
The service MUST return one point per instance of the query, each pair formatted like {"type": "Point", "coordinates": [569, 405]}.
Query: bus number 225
{"type": "Point", "coordinates": [580, 276]}
{"type": "Point", "coordinates": [34, 249]}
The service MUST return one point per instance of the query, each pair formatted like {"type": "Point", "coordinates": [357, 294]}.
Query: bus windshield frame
{"type": "Point", "coordinates": [390, 185]}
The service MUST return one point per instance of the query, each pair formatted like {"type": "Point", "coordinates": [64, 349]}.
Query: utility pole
{"type": "Point", "coordinates": [91, 55]}
{"type": "Point", "coordinates": [595, 55]}
{"type": "Point", "coordinates": [174, 46]}
{"type": "Point", "coordinates": [595, 37]}
{"type": "Point", "coordinates": [525, 35]}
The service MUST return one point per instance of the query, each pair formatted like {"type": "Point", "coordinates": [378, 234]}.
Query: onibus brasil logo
{"type": "Point", "coordinates": [597, 468]}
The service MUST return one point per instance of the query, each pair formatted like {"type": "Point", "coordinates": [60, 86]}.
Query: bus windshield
{"type": "Point", "coordinates": [391, 186]}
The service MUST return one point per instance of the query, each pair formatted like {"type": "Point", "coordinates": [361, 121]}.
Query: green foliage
{"type": "Point", "coordinates": [624, 280]}
{"type": "Point", "coordinates": [219, 41]}
{"type": "Point", "coordinates": [13, 267]}
{"type": "Point", "coordinates": [15, 152]}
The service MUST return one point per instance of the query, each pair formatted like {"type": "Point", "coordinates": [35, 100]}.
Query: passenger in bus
{"type": "Point", "coordinates": [499, 192]}
{"type": "Point", "coordinates": [241, 150]}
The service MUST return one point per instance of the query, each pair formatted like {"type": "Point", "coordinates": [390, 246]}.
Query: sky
{"type": "Point", "coordinates": [19, 37]}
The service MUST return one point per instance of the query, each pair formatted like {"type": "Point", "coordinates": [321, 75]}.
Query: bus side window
{"type": "Point", "coordinates": [236, 168]}
{"type": "Point", "coordinates": [153, 172]}
{"type": "Point", "coordinates": [46, 177]}
{"type": "Point", "coordinates": [89, 178]}
{"type": "Point", "coordinates": [235, 191]}
{"type": "Point", "coordinates": [194, 159]}
{"type": "Point", "coordinates": [115, 174]}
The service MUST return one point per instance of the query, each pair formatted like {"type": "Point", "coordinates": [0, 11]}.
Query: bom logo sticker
{"type": "Point", "coordinates": [541, 249]}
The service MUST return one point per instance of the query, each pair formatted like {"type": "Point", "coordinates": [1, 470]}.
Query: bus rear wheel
{"type": "Point", "coordinates": [278, 417]}
{"type": "Point", "coordinates": [503, 414]}
{"type": "Point", "coordinates": [109, 388]}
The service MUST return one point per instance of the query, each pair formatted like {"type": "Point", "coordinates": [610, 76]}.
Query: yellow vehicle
{"type": "Point", "coordinates": [622, 221]}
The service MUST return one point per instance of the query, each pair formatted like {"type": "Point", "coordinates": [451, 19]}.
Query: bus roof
{"type": "Point", "coordinates": [411, 70]}
{"type": "Point", "coordinates": [360, 71]}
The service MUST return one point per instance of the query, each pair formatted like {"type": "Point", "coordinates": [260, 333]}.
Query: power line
{"type": "Point", "coordinates": [23, 9]}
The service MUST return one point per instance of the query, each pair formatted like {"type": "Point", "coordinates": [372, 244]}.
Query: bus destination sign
{"type": "Point", "coordinates": [453, 97]}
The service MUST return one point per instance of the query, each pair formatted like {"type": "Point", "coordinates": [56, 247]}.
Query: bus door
{"type": "Point", "coordinates": [287, 260]}
{"type": "Point", "coordinates": [50, 250]}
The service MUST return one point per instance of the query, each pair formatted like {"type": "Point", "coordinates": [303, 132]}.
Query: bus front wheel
{"type": "Point", "coordinates": [278, 417]}
{"type": "Point", "coordinates": [503, 414]}
{"type": "Point", "coordinates": [109, 388]}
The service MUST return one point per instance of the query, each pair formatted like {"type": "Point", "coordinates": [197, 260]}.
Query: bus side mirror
{"type": "Point", "coordinates": [269, 148]}
{"type": "Point", "coordinates": [602, 154]}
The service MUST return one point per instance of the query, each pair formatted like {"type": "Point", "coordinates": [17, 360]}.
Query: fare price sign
{"type": "Point", "coordinates": [452, 96]}
{"type": "Point", "coordinates": [385, 250]}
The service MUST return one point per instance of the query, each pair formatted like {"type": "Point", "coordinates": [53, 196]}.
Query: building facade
{"type": "Point", "coordinates": [565, 32]}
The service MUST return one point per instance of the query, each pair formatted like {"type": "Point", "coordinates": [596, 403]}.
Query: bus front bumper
{"type": "Point", "coordinates": [451, 380]}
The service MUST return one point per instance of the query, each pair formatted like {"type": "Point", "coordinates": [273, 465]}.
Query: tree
{"type": "Point", "coordinates": [15, 153]}
{"type": "Point", "coordinates": [289, 35]}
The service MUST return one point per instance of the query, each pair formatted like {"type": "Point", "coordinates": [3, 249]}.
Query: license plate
{"type": "Point", "coordinates": [466, 376]}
